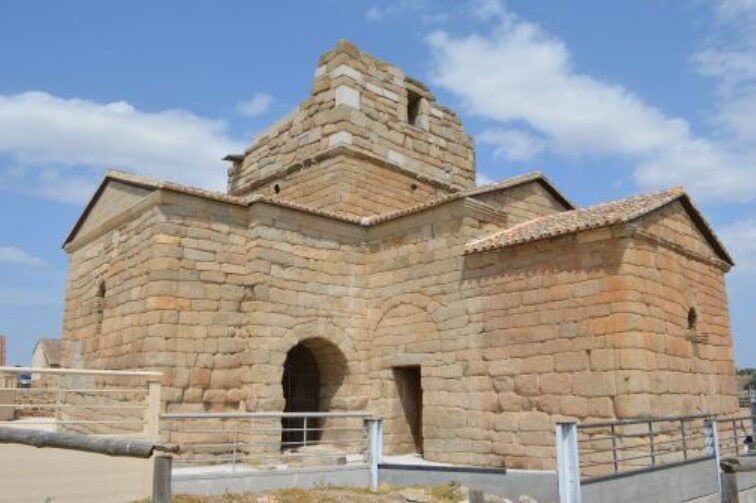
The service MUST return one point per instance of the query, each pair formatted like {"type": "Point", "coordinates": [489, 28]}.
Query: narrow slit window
{"type": "Point", "coordinates": [100, 305]}
{"type": "Point", "coordinates": [692, 319]}
{"type": "Point", "coordinates": [414, 101]}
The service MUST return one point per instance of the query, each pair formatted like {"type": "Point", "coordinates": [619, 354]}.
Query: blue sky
{"type": "Point", "coordinates": [607, 98]}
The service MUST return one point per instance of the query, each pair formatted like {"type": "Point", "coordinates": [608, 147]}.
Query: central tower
{"type": "Point", "coordinates": [368, 140]}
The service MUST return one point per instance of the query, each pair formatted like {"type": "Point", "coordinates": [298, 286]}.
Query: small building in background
{"type": "Point", "coordinates": [46, 353]}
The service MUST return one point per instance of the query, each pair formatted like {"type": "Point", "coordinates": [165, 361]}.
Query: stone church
{"type": "Point", "coordinates": [354, 260]}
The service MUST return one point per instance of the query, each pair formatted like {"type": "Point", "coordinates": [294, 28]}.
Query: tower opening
{"type": "Point", "coordinates": [301, 390]}
{"type": "Point", "coordinates": [413, 107]}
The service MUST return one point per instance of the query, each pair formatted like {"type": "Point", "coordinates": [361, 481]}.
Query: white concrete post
{"type": "Point", "coordinates": [375, 448]}
{"type": "Point", "coordinates": [152, 412]}
{"type": "Point", "coordinates": [568, 464]}
{"type": "Point", "coordinates": [712, 446]}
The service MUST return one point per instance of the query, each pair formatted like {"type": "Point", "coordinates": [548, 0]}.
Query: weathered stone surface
{"type": "Point", "coordinates": [215, 290]}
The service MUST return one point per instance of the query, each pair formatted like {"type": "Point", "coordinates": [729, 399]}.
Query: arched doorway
{"type": "Point", "coordinates": [301, 391]}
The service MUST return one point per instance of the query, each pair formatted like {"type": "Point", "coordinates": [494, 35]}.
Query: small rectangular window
{"type": "Point", "coordinates": [413, 107]}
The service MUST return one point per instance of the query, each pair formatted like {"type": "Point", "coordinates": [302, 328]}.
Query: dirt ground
{"type": "Point", "coordinates": [451, 493]}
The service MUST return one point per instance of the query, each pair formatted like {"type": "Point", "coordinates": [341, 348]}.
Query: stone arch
{"type": "Point", "coordinates": [330, 366]}
{"type": "Point", "coordinates": [332, 348]}
{"type": "Point", "coordinates": [314, 370]}
{"type": "Point", "coordinates": [436, 310]}
{"type": "Point", "coordinates": [405, 335]}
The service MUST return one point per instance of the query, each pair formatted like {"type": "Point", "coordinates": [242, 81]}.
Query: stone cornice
{"type": "Point", "coordinates": [347, 151]}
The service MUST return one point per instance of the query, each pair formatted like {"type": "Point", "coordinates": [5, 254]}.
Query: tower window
{"type": "Point", "coordinates": [413, 187]}
{"type": "Point", "coordinates": [414, 101]}
{"type": "Point", "coordinates": [100, 305]}
{"type": "Point", "coordinates": [277, 189]}
{"type": "Point", "coordinates": [692, 319]}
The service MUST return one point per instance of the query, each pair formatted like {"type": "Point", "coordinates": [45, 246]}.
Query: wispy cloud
{"type": "Point", "coordinates": [17, 256]}
{"type": "Point", "coordinates": [740, 238]}
{"type": "Point", "coordinates": [577, 115]}
{"type": "Point", "coordinates": [258, 105]}
{"type": "Point", "coordinates": [70, 141]}
{"type": "Point", "coordinates": [424, 10]}
{"type": "Point", "coordinates": [513, 144]}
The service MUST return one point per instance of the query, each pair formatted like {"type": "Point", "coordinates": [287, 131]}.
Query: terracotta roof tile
{"type": "Point", "coordinates": [593, 217]}
{"type": "Point", "coordinates": [507, 183]}
{"type": "Point", "coordinates": [177, 187]}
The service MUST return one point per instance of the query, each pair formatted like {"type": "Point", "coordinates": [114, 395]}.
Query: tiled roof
{"type": "Point", "coordinates": [557, 224]}
{"type": "Point", "coordinates": [365, 221]}
{"type": "Point", "coordinates": [508, 183]}
{"type": "Point", "coordinates": [154, 183]}
{"type": "Point", "coordinates": [568, 222]}
{"type": "Point", "coordinates": [285, 203]}
{"type": "Point", "coordinates": [504, 184]}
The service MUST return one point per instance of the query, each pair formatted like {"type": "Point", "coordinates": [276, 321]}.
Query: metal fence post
{"type": "Point", "coordinates": [712, 446]}
{"type": "Point", "coordinates": [375, 448]}
{"type": "Point", "coordinates": [568, 465]}
{"type": "Point", "coordinates": [161, 480]}
{"type": "Point", "coordinates": [752, 403]}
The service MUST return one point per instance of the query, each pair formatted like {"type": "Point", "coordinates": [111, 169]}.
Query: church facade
{"type": "Point", "coordinates": [354, 265]}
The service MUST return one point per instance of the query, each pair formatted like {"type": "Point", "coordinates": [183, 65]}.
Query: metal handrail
{"type": "Point", "coordinates": [40, 370]}
{"type": "Point", "coordinates": [261, 415]}
{"type": "Point", "coordinates": [626, 422]}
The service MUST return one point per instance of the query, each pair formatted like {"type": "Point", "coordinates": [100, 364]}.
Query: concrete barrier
{"type": "Point", "coordinates": [541, 485]}
{"type": "Point", "coordinates": [219, 480]}
{"type": "Point", "coordinates": [693, 482]}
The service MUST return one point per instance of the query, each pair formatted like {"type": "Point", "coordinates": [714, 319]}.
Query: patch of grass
{"type": "Point", "coordinates": [447, 492]}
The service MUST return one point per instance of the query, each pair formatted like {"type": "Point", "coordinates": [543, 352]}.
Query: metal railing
{"type": "Point", "coordinates": [101, 402]}
{"type": "Point", "coordinates": [734, 432]}
{"type": "Point", "coordinates": [619, 447]}
{"type": "Point", "coordinates": [258, 440]}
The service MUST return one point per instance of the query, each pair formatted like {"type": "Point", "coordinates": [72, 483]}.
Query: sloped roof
{"type": "Point", "coordinates": [152, 183]}
{"type": "Point", "coordinates": [514, 181]}
{"type": "Point", "coordinates": [594, 217]}
{"type": "Point", "coordinates": [51, 349]}
{"type": "Point", "coordinates": [508, 183]}
{"type": "Point", "coordinates": [147, 183]}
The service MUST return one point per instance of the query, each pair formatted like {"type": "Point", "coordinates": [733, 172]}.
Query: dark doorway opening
{"type": "Point", "coordinates": [409, 386]}
{"type": "Point", "coordinates": [301, 390]}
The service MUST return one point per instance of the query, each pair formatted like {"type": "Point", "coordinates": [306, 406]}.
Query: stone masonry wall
{"type": "Point", "coordinates": [419, 317]}
{"type": "Point", "coordinates": [351, 187]}
{"type": "Point", "coordinates": [589, 326]}
{"type": "Point", "coordinates": [579, 331]}
{"type": "Point", "coordinates": [523, 202]}
{"type": "Point", "coordinates": [104, 317]}
{"type": "Point", "coordinates": [362, 102]}
{"type": "Point", "coordinates": [309, 276]}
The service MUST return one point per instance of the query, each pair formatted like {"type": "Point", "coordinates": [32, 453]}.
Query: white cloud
{"type": "Point", "coordinates": [259, 104]}
{"type": "Point", "coordinates": [730, 59]}
{"type": "Point", "coordinates": [17, 256]}
{"type": "Point", "coordinates": [740, 239]}
{"type": "Point", "coordinates": [487, 9]}
{"type": "Point", "coordinates": [512, 144]}
{"type": "Point", "coordinates": [518, 73]}
{"type": "Point", "coordinates": [482, 179]}
{"type": "Point", "coordinates": [423, 10]}
{"type": "Point", "coordinates": [70, 141]}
